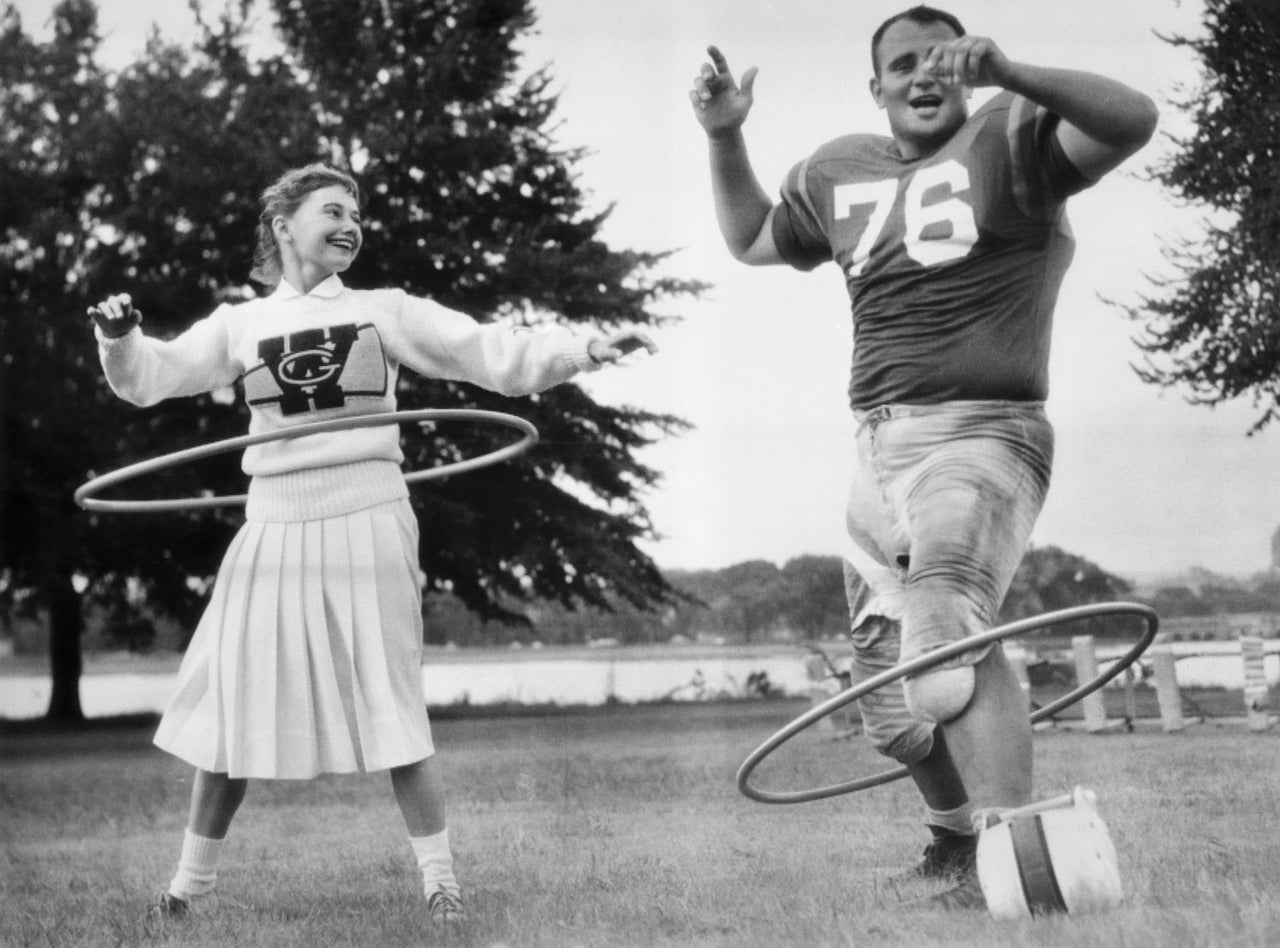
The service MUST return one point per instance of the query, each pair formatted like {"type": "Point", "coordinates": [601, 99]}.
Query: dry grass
{"type": "Point", "coordinates": [622, 827]}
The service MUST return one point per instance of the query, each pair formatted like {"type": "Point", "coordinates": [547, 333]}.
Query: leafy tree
{"type": "Point", "coordinates": [1268, 585]}
{"type": "Point", "coordinates": [815, 599]}
{"type": "Point", "coordinates": [1223, 595]}
{"type": "Point", "coordinates": [1049, 579]}
{"type": "Point", "coordinates": [1214, 328]}
{"type": "Point", "coordinates": [133, 181]}
{"type": "Point", "coordinates": [147, 181]}
{"type": "Point", "coordinates": [53, 135]}
{"type": "Point", "coordinates": [746, 597]}
{"type": "Point", "coordinates": [1170, 601]}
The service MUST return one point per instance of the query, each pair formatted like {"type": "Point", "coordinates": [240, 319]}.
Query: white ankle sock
{"type": "Point", "coordinates": [197, 867]}
{"type": "Point", "coordinates": [959, 820]}
{"type": "Point", "coordinates": [435, 861]}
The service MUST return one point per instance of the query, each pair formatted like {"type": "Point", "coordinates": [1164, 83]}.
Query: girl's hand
{"type": "Point", "coordinates": [115, 315]}
{"type": "Point", "coordinates": [614, 347]}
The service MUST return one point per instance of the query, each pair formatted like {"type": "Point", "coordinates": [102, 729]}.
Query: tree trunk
{"type": "Point", "coordinates": [65, 657]}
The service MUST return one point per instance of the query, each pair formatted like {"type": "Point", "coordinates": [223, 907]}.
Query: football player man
{"type": "Point", "coordinates": [952, 237]}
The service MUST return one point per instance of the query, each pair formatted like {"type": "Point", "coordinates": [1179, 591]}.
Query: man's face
{"type": "Point", "coordinates": [923, 111]}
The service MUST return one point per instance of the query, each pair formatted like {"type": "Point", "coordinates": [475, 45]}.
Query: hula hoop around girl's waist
{"type": "Point", "coordinates": [86, 494]}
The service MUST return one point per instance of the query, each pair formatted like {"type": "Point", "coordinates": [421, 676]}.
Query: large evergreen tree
{"type": "Point", "coordinates": [146, 182]}
{"type": "Point", "coordinates": [476, 205]}
{"type": "Point", "coordinates": [1213, 328]}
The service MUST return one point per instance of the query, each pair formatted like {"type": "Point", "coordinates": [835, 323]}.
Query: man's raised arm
{"type": "Point", "coordinates": [743, 209]}
{"type": "Point", "coordinates": [1103, 121]}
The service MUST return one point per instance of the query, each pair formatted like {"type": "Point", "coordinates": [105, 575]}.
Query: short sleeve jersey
{"type": "Point", "coordinates": [952, 261]}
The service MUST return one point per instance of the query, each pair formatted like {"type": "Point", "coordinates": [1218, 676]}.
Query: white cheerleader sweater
{"type": "Point", "coordinates": [332, 353]}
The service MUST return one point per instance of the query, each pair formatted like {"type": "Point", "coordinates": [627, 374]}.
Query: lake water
{"type": "Point", "coordinates": [530, 678]}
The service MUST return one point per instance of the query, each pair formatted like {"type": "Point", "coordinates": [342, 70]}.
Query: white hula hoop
{"type": "Point", "coordinates": [86, 497]}
{"type": "Point", "coordinates": [929, 660]}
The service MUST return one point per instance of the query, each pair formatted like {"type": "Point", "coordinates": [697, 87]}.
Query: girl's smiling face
{"type": "Point", "coordinates": [320, 238]}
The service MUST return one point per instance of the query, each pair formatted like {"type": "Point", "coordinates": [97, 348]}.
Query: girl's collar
{"type": "Point", "coordinates": [327, 288]}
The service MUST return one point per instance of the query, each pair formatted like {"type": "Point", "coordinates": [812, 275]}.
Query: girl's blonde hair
{"type": "Point", "coordinates": [281, 199]}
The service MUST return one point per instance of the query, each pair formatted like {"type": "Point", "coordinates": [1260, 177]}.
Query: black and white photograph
{"type": "Point", "coordinates": [701, 474]}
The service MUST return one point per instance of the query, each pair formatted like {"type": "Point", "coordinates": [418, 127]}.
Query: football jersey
{"type": "Point", "coordinates": [952, 261]}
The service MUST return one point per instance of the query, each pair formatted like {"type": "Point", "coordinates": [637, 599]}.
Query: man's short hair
{"type": "Point", "coordinates": [917, 14]}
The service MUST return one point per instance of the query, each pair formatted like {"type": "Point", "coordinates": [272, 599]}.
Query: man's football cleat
{"type": "Point", "coordinates": [950, 856]}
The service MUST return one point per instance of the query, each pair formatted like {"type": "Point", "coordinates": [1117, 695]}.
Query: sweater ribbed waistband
{"type": "Point", "coordinates": [322, 492]}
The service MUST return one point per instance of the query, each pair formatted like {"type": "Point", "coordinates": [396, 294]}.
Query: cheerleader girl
{"type": "Point", "coordinates": [307, 659]}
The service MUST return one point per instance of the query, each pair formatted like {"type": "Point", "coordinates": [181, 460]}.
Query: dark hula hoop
{"type": "Point", "coordinates": [929, 660]}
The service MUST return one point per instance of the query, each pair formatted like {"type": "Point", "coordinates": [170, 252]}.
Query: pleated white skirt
{"type": "Point", "coordinates": [308, 657]}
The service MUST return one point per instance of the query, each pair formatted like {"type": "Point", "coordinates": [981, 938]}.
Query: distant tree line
{"type": "Point", "coordinates": [1203, 593]}
{"type": "Point", "coordinates": [804, 600]}
{"type": "Point", "coordinates": [749, 602]}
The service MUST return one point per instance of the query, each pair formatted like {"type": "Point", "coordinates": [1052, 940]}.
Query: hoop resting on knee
{"type": "Point", "coordinates": [941, 694]}
{"type": "Point", "coordinates": [929, 660]}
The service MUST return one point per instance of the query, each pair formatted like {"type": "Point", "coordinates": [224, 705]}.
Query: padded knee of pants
{"type": "Point", "coordinates": [908, 745]}
{"type": "Point", "coordinates": [939, 695]}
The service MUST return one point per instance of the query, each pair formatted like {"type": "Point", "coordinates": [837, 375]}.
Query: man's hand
{"type": "Point", "coordinates": [1103, 121]}
{"type": "Point", "coordinates": [969, 61]}
{"type": "Point", "coordinates": [115, 315]}
{"type": "Point", "coordinates": [719, 104]}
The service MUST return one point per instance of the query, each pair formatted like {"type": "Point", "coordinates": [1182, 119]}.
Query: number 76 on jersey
{"type": "Point", "coordinates": [935, 232]}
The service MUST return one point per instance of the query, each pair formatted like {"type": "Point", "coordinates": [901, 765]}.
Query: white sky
{"type": "Point", "coordinates": [1143, 482]}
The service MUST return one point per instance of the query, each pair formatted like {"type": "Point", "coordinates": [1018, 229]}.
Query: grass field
{"type": "Point", "coordinates": [622, 827]}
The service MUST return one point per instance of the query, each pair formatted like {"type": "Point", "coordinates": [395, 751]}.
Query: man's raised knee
{"type": "Point", "coordinates": [939, 695]}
